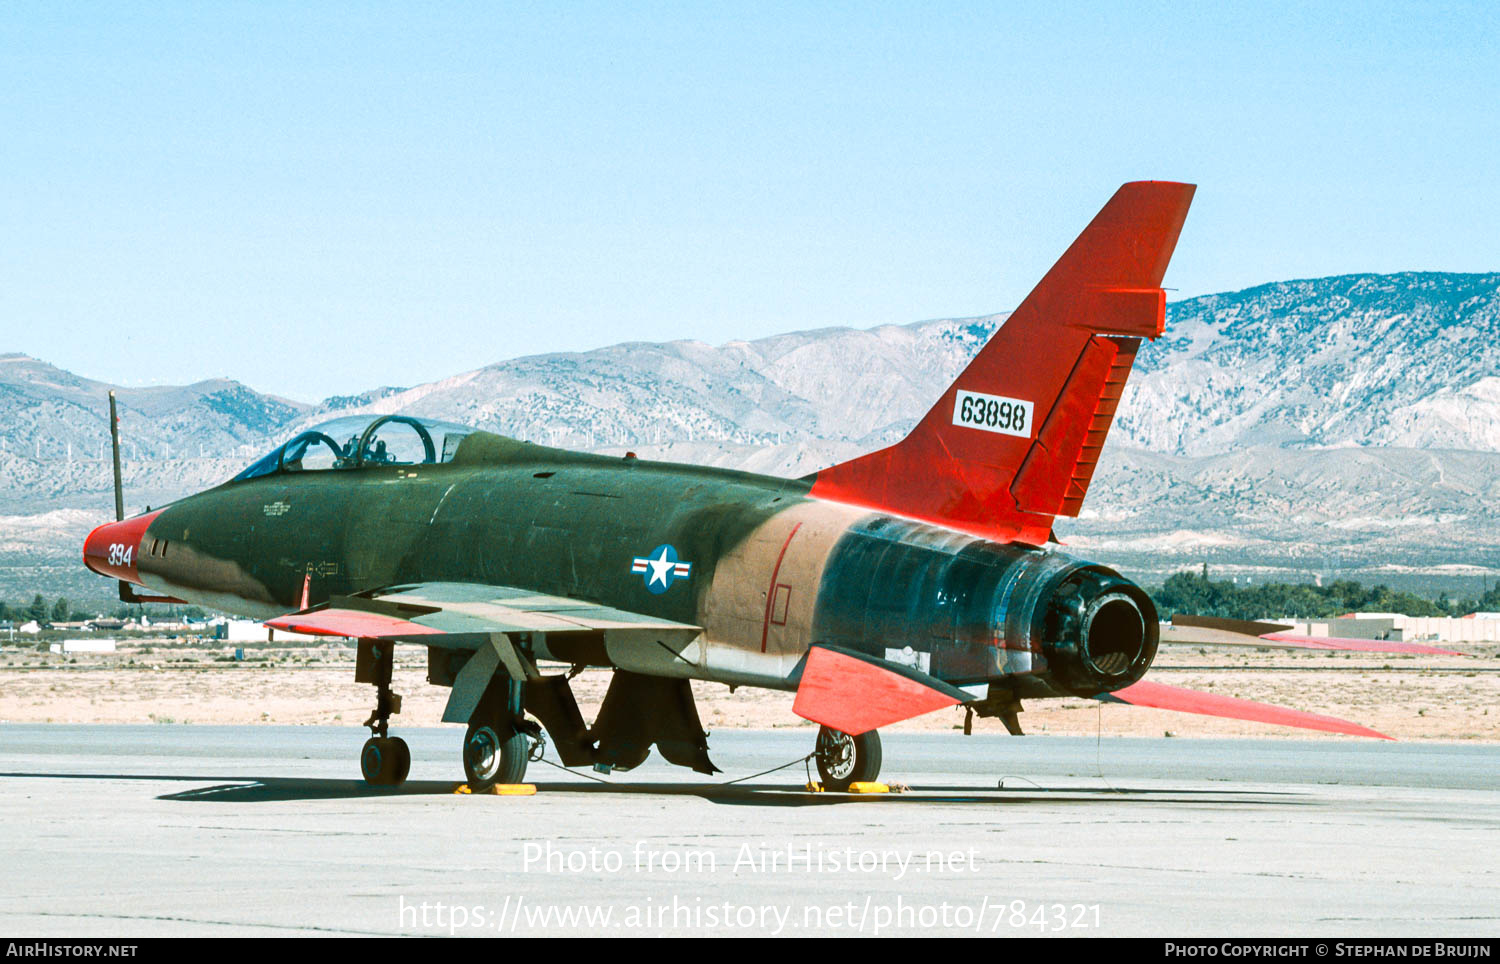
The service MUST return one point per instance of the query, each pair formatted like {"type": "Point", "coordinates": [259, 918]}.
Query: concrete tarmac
{"type": "Point", "coordinates": [189, 830]}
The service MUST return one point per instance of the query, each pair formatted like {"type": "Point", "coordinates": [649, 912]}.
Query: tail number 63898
{"type": "Point", "coordinates": [993, 413]}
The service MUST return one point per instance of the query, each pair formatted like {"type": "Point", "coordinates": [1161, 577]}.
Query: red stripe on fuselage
{"type": "Point", "coordinates": [765, 626]}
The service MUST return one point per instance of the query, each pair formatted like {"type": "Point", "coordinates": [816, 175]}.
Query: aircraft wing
{"type": "Point", "coordinates": [464, 615]}
{"type": "Point", "coordinates": [1213, 631]}
{"type": "Point", "coordinates": [1163, 697]}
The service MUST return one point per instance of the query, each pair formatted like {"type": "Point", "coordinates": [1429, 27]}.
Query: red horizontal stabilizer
{"type": "Point", "coordinates": [856, 693]}
{"type": "Point", "coordinates": [1162, 697]}
{"type": "Point", "coordinates": [349, 622]}
{"type": "Point", "coordinates": [1357, 645]}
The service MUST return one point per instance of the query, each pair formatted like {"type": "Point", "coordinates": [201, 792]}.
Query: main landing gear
{"type": "Point", "coordinates": [385, 760]}
{"type": "Point", "coordinates": [492, 755]}
{"type": "Point", "coordinates": [499, 741]}
{"type": "Point", "coordinates": [843, 759]}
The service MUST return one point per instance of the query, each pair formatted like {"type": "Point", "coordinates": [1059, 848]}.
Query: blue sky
{"type": "Point", "coordinates": [318, 199]}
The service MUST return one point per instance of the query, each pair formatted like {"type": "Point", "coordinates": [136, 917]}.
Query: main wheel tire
{"type": "Point", "coordinates": [844, 759]}
{"type": "Point", "coordinates": [494, 753]}
{"type": "Point", "coordinates": [402, 754]}
{"type": "Point", "coordinates": [385, 761]}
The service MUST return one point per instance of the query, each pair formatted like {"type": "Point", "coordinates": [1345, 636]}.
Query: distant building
{"type": "Point", "coordinates": [250, 631]}
{"type": "Point", "coordinates": [88, 646]}
{"type": "Point", "coordinates": [1412, 629]}
{"type": "Point", "coordinates": [1363, 626]}
{"type": "Point", "coordinates": [245, 631]}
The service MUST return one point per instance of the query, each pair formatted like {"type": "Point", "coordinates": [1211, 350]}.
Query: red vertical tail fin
{"type": "Point", "coordinates": [1013, 442]}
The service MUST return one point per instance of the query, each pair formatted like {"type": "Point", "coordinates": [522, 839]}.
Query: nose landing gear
{"type": "Point", "coordinates": [843, 759]}
{"type": "Point", "coordinates": [385, 760]}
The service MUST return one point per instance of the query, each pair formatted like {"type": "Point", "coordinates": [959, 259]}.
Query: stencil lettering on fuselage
{"type": "Point", "coordinates": [915, 658]}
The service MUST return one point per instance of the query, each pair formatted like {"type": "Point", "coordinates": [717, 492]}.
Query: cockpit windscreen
{"type": "Point", "coordinates": [363, 441]}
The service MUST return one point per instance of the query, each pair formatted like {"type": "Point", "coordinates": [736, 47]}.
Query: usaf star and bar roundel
{"type": "Point", "coordinates": [661, 568]}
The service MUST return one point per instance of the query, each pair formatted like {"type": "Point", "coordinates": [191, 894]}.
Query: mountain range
{"type": "Point", "coordinates": [1340, 426]}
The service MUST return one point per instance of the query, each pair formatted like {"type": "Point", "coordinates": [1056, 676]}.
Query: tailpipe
{"type": "Point", "coordinates": [1100, 632]}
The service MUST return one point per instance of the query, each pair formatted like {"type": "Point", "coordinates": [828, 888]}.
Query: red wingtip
{"type": "Point", "coordinates": [1162, 697]}
{"type": "Point", "coordinates": [349, 622]}
{"type": "Point", "coordinates": [1358, 645]}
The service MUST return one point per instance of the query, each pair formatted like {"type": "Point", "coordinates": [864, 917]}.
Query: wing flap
{"type": "Point", "coordinates": [467, 607]}
{"type": "Point", "coordinates": [856, 693]}
{"type": "Point", "coordinates": [1163, 697]}
{"type": "Point", "coordinates": [462, 615]}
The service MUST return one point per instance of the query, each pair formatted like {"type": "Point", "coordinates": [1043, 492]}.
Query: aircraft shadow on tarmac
{"type": "Point", "coordinates": [228, 789]}
{"type": "Point", "coordinates": [761, 795]}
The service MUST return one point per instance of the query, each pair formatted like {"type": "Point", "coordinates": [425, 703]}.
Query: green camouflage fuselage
{"type": "Point", "coordinates": [770, 570]}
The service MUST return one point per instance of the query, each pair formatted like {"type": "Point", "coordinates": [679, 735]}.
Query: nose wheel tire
{"type": "Point", "coordinates": [843, 759]}
{"type": "Point", "coordinates": [494, 753]}
{"type": "Point", "coordinates": [385, 761]}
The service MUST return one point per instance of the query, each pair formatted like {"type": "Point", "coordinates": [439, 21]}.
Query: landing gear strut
{"type": "Point", "coordinates": [843, 759]}
{"type": "Point", "coordinates": [385, 760]}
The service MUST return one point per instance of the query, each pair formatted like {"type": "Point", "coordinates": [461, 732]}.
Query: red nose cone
{"type": "Point", "coordinates": [113, 549]}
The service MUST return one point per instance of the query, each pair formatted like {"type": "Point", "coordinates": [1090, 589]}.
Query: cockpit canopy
{"type": "Point", "coordinates": [363, 441]}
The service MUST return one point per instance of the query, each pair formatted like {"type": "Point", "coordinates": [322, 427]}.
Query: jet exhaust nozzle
{"type": "Point", "coordinates": [1100, 632]}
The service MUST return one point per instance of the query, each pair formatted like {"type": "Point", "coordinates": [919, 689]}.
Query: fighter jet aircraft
{"type": "Point", "coordinates": [917, 577]}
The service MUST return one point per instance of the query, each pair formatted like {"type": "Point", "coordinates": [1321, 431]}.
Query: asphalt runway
{"type": "Point", "coordinates": [153, 830]}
